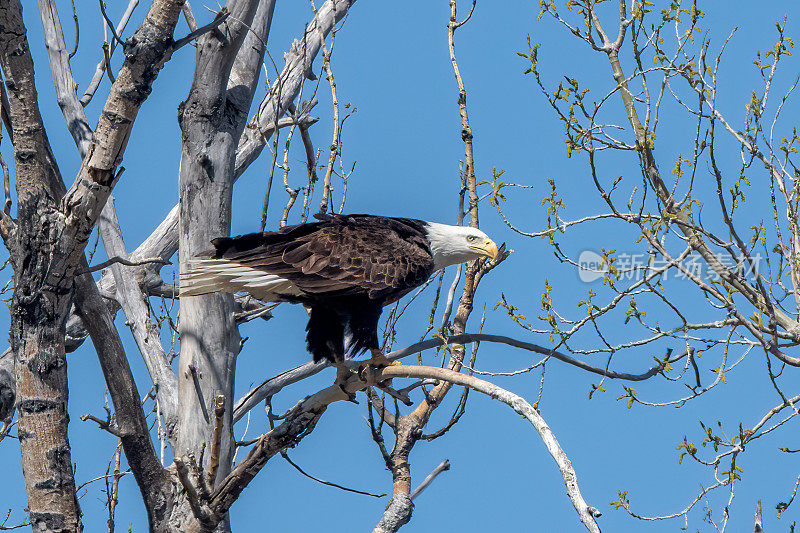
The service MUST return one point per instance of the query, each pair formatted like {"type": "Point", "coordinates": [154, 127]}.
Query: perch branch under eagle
{"type": "Point", "coordinates": [344, 269]}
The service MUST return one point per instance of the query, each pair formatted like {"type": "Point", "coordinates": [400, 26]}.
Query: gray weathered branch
{"type": "Point", "coordinates": [524, 409]}
{"type": "Point", "coordinates": [148, 48]}
{"type": "Point", "coordinates": [151, 478]}
{"type": "Point", "coordinates": [209, 335]}
{"type": "Point", "coordinates": [65, 85]}
{"type": "Point", "coordinates": [145, 332]}
{"type": "Point", "coordinates": [101, 65]}
{"type": "Point", "coordinates": [301, 419]}
{"type": "Point", "coordinates": [396, 515]}
{"type": "Point", "coordinates": [443, 467]}
{"type": "Point", "coordinates": [273, 385]}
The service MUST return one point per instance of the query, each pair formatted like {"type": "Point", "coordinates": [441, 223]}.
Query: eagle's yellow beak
{"type": "Point", "coordinates": [487, 248]}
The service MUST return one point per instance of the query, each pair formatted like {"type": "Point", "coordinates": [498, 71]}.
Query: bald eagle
{"type": "Point", "coordinates": [343, 268]}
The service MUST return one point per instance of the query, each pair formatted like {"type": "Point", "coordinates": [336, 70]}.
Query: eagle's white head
{"type": "Point", "coordinates": [456, 244]}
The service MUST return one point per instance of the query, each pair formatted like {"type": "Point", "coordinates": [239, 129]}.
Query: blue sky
{"type": "Point", "coordinates": [391, 63]}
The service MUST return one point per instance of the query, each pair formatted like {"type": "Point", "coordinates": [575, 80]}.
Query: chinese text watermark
{"type": "Point", "coordinates": [593, 266]}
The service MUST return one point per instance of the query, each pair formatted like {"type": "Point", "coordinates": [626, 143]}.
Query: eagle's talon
{"type": "Point", "coordinates": [378, 360]}
{"type": "Point", "coordinates": [342, 375]}
{"type": "Point", "coordinates": [366, 373]}
{"type": "Point", "coordinates": [351, 396]}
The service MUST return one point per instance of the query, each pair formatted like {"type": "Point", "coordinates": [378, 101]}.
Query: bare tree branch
{"type": "Point", "coordinates": [287, 86]}
{"type": "Point", "coordinates": [273, 385]}
{"type": "Point", "coordinates": [524, 409]}
{"type": "Point", "coordinates": [135, 434]}
{"type": "Point", "coordinates": [126, 262]}
{"type": "Point", "coordinates": [109, 24]}
{"type": "Point", "coordinates": [328, 483]}
{"type": "Point", "coordinates": [443, 467]}
{"type": "Point", "coordinates": [219, 18]}
{"type": "Point", "coordinates": [101, 65]}
{"type": "Point", "coordinates": [149, 50]}
{"type": "Point", "coordinates": [301, 419]}
{"type": "Point", "coordinates": [758, 527]}
{"type": "Point", "coordinates": [146, 333]}
{"type": "Point", "coordinates": [216, 440]}
{"type": "Point", "coordinates": [62, 76]}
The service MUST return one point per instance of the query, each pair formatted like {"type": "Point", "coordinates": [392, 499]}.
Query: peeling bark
{"type": "Point", "coordinates": [396, 515]}
{"type": "Point", "coordinates": [211, 120]}
{"type": "Point", "coordinates": [41, 295]}
{"type": "Point", "coordinates": [47, 246]}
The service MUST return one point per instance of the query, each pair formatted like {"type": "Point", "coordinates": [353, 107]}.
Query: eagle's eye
{"type": "Point", "coordinates": [472, 238]}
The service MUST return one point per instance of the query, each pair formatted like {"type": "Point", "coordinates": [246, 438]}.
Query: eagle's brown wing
{"type": "Point", "coordinates": [381, 257]}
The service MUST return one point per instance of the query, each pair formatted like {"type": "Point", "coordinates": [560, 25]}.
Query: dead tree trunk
{"type": "Point", "coordinates": [41, 300]}
{"type": "Point", "coordinates": [46, 246]}
{"type": "Point", "coordinates": [209, 335]}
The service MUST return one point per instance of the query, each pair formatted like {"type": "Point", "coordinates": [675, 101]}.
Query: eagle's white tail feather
{"type": "Point", "coordinates": [206, 276]}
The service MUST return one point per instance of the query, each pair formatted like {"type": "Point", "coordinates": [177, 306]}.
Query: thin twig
{"type": "Point", "coordinates": [335, 141]}
{"type": "Point", "coordinates": [443, 466]}
{"type": "Point", "coordinates": [221, 16]}
{"type": "Point", "coordinates": [113, 493]}
{"type": "Point", "coordinates": [77, 31]}
{"type": "Point", "coordinates": [106, 425]}
{"type": "Point", "coordinates": [459, 24]}
{"type": "Point", "coordinates": [126, 262]}
{"type": "Point", "coordinates": [107, 58]}
{"type": "Point", "coordinates": [101, 64]}
{"type": "Point", "coordinates": [110, 24]}
{"type": "Point", "coordinates": [276, 383]}
{"type": "Point", "coordinates": [328, 483]}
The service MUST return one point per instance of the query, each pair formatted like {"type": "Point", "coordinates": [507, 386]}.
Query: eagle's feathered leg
{"type": "Point", "coordinates": [325, 341]}
{"type": "Point", "coordinates": [363, 327]}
